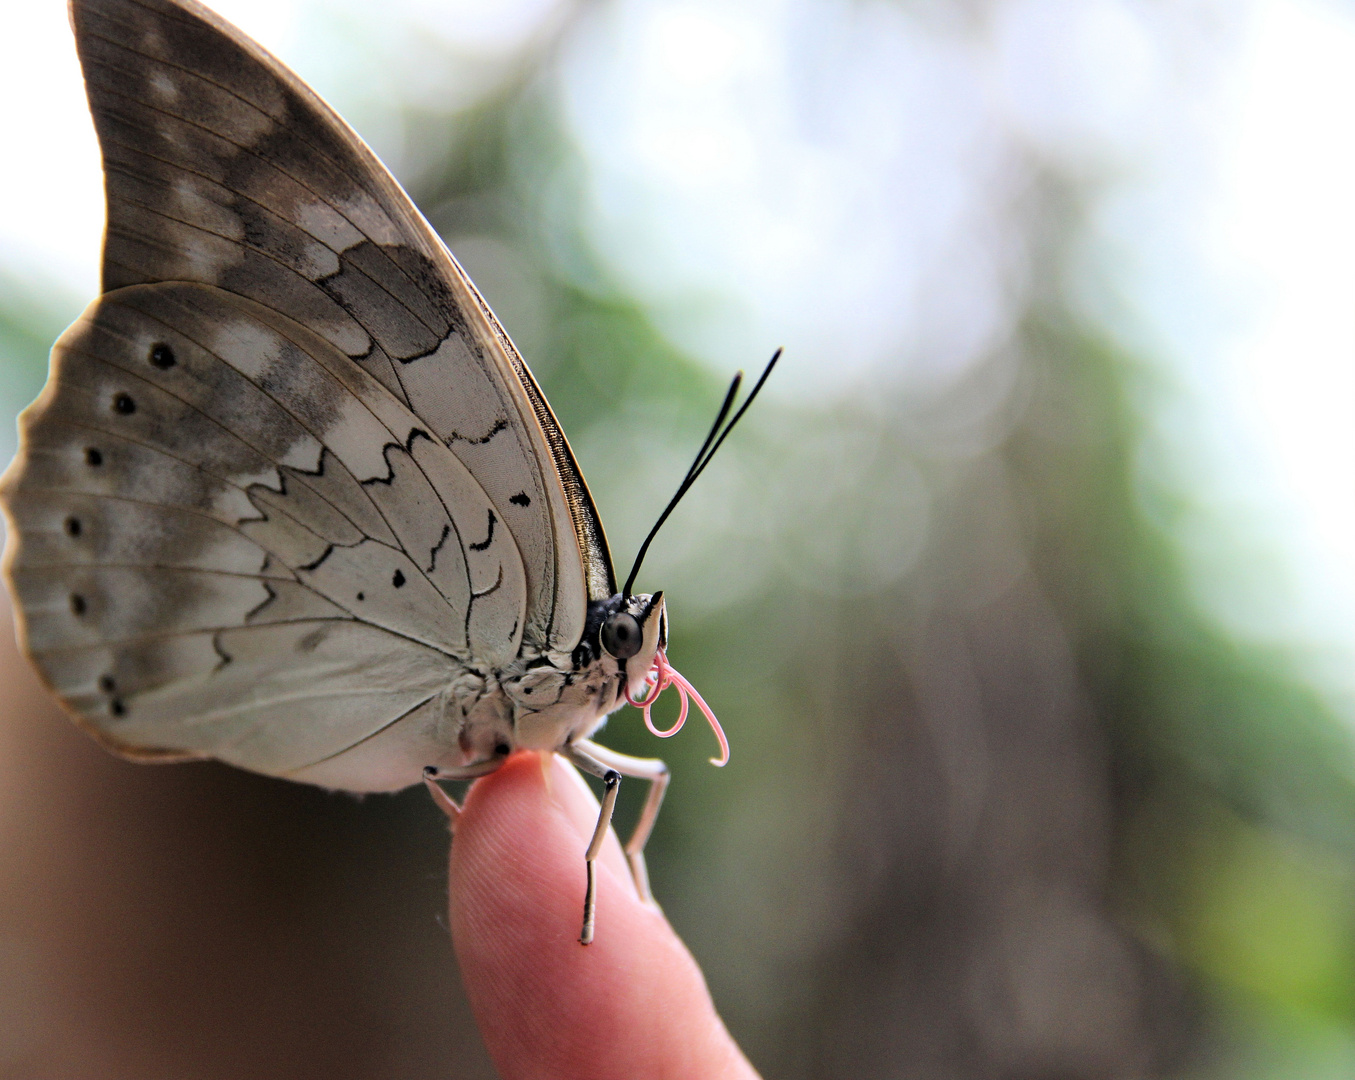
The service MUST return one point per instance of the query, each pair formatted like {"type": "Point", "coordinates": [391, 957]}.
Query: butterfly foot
{"type": "Point", "coordinates": [589, 907]}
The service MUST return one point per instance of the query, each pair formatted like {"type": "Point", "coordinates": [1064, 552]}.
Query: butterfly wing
{"type": "Point", "coordinates": [222, 167]}
{"type": "Point", "coordinates": [289, 481]}
{"type": "Point", "coordinates": [232, 541]}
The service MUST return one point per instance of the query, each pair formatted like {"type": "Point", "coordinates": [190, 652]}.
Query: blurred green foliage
{"type": "Point", "coordinates": [30, 319]}
{"type": "Point", "coordinates": [1235, 781]}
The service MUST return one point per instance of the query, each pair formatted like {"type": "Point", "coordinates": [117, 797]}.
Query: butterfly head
{"type": "Point", "coordinates": [631, 633]}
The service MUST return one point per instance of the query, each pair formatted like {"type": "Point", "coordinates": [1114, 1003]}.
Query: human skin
{"type": "Point", "coordinates": [632, 1004]}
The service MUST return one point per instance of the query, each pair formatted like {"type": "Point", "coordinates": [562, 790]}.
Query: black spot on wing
{"type": "Point", "coordinates": [398, 579]}
{"type": "Point", "coordinates": [521, 499]}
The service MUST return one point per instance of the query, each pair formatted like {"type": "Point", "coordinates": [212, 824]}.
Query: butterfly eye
{"type": "Point", "coordinates": [621, 635]}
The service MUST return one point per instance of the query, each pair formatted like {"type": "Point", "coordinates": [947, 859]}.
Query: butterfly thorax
{"type": "Point", "coordinates": [545, 699]}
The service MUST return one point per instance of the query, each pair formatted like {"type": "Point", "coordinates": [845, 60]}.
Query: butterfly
{"type": "Point", "coordinates": [291, 499]}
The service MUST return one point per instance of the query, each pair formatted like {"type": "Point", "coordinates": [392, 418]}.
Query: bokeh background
{"type": "Point", "coordinates": [1025, 594]}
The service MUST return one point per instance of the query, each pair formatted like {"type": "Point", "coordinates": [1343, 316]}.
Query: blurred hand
{"type": "Point", "coordinates": [631, 1005]}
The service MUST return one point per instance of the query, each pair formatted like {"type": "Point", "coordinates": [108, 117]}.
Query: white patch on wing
{"type": "Point", "coordinates": [200, 258]}
{"type": "Point", "coordinates": [354, 435]}
{"type": "Point", "coordinates": [326, 224]}
{"type": "Point", "coordinates": [347, 336]}
{"type": "Point", "coordinates": [153, 43]}
{"type": "Point", "coordinates": [364, 212]}
{"type": "Point", "coordinates": [248, 347]}
{"type": "Point", "coordinates": [304, 454]}
{"type": "Point", "coordinates": [163, 88]}
{"type": "Point", "coordinates": [317, 261]}
{"type": "Point", "coordinates": [358, 440]}
{"type": "Point", "coordinates": [451, 391]}
{"type": "Point", "coordinates": [194, 206]}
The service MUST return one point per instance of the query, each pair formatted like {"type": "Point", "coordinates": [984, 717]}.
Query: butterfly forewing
{"type": "Point", "coordinates": [289, 481]}
{"type": "Point", "coordinates": [223, 168]}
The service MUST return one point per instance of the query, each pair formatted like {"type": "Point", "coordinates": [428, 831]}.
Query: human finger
{"type": "Point", "coordinates": [631, 1004]}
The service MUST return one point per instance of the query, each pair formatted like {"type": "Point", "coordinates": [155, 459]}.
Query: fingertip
{"type": "Point", "coordinates": [631, 1003]}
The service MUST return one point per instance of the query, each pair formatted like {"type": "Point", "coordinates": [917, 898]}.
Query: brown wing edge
{"type": "Point", "coordinates": [595, 553]}
{"type": "Point", "coordinates": [598, 570]}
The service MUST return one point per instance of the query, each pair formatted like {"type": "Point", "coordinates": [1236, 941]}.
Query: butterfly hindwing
{"type": "Point", "coordinates": [233, 542]}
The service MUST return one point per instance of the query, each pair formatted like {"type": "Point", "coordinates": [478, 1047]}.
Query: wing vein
{"type": "Point", "coordinates": [437, 333]}
{"type": "Point", "coordinates": [227, 481]}
{"type": "Point", "coordinates": [138, 639]}
{"type": "Point", "coordinates": [366, 738]}
{"type": "Point", "coordinates": [263, 455]}
{"type": "Point", "coordinates": [247, 150]}
{"type": "Point", "coordinates": [260, 453]}
{"type": "Point", "coordinates": [300, 423]}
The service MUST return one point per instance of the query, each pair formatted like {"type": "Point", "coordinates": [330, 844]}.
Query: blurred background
{"type": "Point", "coordinates": [1024, 594]}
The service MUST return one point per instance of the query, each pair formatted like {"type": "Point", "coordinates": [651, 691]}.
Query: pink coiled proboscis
{"type": "Point", "coordinates": [659, 678]}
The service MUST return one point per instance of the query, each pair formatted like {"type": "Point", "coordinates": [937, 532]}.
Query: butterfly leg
{"type": "Point", "coordinates": [610, 767]}
{"type": "Point", "coordinates": [611, 784]}
{"type": "Point", "coordinates": [656, 772]}
{"type": "Point", "coordinates": [444, 802]}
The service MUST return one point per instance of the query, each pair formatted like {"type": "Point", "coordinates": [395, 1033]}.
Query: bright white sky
{"type": "Point", "coordinates": [1241, 271]}
{"type": "Point", "coordinates": [841, 176]}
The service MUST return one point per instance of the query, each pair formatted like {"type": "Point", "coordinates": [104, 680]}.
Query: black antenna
{"type": "Point", "coordinates": [713, 440]}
